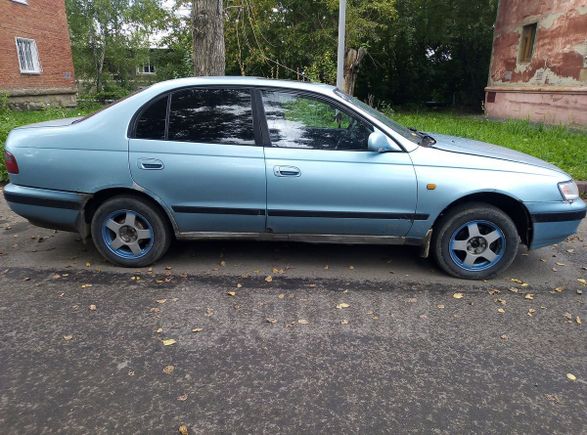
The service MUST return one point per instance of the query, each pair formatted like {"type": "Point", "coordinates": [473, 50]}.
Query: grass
{"type": "Point", "coordinates": [561, 146]}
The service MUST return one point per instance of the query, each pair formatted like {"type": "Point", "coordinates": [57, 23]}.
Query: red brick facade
{"type": "Point", "coordinates": [550, 85]}
{"type": "Point", "coordinates": [45, 22]}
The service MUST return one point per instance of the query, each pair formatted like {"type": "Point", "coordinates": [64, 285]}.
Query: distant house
{"type": "Point", "coordinates": [36, 67]}
{"type": "Point", "coordinates": [539, 63]}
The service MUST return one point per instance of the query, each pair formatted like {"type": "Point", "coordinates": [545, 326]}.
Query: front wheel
{"type": "Point", "coordinates": [130, 232]}
{"type": "Point", "coordinates": [475, 241]}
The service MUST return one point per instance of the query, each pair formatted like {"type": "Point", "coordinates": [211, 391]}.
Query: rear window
{"type": "Point", "coordinates": [214, 116]}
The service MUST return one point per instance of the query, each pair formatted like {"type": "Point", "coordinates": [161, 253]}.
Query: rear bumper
{"type": "Point", "coordinates": [553, 223]}
{"type": "Point", "coordinates": [48, 208]}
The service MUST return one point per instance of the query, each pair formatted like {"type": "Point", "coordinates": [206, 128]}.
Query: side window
{"type": "Point", "coordinates": [151, 123]}
{"type": "Point", "coordinates": [214, 116]}
{"type": "Point", "coordinates": [298, 121]}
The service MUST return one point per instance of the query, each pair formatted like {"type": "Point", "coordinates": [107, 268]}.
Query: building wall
{"type": "Point", "coordinates": [552, 86]}
{"type": "Point", "coordinates": [44, 21]}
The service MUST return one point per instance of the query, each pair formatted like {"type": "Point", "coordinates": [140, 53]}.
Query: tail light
{"type": "Point", "coordinates": [10, 161]}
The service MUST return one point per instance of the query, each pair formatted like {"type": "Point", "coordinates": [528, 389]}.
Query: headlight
{"type": "Point", "coordinates": [569, 190]}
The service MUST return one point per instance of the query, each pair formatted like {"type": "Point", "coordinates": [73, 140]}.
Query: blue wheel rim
{"type": "Point", "coordinates": [477, 245]}
{"type": "Point", "coordinates": [127, 234]}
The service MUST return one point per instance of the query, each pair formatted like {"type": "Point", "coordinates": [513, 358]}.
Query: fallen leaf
{"type": "Point", "coordinates": [559, 289]}
{"type": "Point", "coordinates": [272, 321]}
{"type": "Point", "coordinates": [222, 263]}
{"type": "Point", "coordinates": [161, 301]}
{"type": "Point", "coordinates": [457, 296]}
{"type": "Point", "coordinates": [168, 370]}
{"type": "Point", "coordinates": [168, 341]}
{"type": "Point", "coordinates": [209, 312]}
{"type": "Point", "coordinates": [183, 429]}
{"type": "Point", "coordinates": [568, 316]}
{"type": "Point", "coordinates": [159, 330]}
{"type": "Point", "coordinates": [182, 398]}
{"type": "Point", "coordinates": [56, 276]}
{"type": "Point", "coordinates": [517, 281]}
{"type": "Point", "coordinates": [268, 278]}
{"type": "Point", "coordinates": [578, 320]}
{"type": "Point", "coordinates": [571, 377]}
{"type": "Point", "coordinates": [239, 285]}
{"type": "Point", "coordinates": [196, 330]}
{"type": "Point", "coordinates": [344, 322]}
{"type": "Point", "coordinates": [88, 264]}
{"type": "Point", "coordinates": [92, 307]}
{"type": "Point", "coordinates": [281, 296]}
{"type": "Point", "coordinates": [582, 281]}
{"type": "Point", "coordinates": [501, 301]}
{"type": "Point", "coordinates": [504, 337]}
{"type": "Point", "coordinates": [494, 291]}
{"type": "Point", "coordinates": [552, 398]}
{"type": "Point", "coordinates": [352, 267]}
{"type": "Point", "coordinates": [342, 305]}
{"type": "Point", "coordinates": [155, 310]}
{"type": "Point", "coordinates": [303, 322]}
{"type": "Point", "coordinates": [440, 306]}
{"type": "Point", "coordinates": [233, 294]}
{"type": "Point", "coordinates": [529, 296]}
{"type": "Point", "coordinates": [531, 312]}
{"type": "Point", "coordinates": [560, 264]}
{"type": "Point", "coordinates": [501, 310]}
{"type": "Point", "coordinates": [67, 337]}
{"type": "Point", "coordinates": [513, 289]}
{"type": "Point", "coordinates": [86, 285]}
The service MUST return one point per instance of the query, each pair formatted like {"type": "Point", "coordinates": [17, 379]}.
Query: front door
{"type": "Point", "coordinates": [322, 179]}
{"type": "Point", "coordinates": [195, 149]}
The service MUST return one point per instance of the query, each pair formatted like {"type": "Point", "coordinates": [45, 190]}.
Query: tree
{"type": "Point", "coordinates": [105, 34]}
{"type": "Point", "coordinates": [208, 38]}
{"type": "Point", "coordinates": [295, 39]}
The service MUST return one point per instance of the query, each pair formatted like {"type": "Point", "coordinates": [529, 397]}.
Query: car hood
{"type": "Point", "coordinates": [54, 123]}
{"type": "Point", "coordinates": [473, 147]}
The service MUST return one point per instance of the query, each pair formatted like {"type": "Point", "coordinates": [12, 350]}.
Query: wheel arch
{"type": "Point", "coordinates": [511, 206]}
{"type": "Point", "coordinates": [103, 195]}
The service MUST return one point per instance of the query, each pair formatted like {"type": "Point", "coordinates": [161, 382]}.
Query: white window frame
{"type": "Point", "coordinates": [35, 67]}
{"type": "Point", "coordinates": [141, 69]}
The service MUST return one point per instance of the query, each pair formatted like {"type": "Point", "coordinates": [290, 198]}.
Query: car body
{"type": "Point", "coordinates": [240, 157]}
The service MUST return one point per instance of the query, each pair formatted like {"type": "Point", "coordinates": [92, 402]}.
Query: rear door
{"type": "Point", "coordinates": [196, 150]}
{"type": "Point", "coordinates": [321, 177]}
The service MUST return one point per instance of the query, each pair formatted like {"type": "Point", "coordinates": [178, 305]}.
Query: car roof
{"type": "Point", "coordinates": [244, 81]}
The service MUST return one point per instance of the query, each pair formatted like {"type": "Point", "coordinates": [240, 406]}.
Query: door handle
{"type": "Point", "coordinates": [150, 164]}
{"type": "Point", "coordinates": [286, 171]}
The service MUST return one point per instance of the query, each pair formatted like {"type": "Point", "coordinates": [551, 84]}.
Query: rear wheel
{"type": "Point", "coordinates": [130, 232]}
{"type": "Point", "coordinates": [475, 241]}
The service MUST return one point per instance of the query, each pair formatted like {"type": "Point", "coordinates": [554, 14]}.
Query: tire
{"type": "Point", "coordinates": [475, 241]}
{"type": "Point", "coordinates": [128, 241]}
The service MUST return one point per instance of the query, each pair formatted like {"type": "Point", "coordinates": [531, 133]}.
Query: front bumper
{"type": "Point", "coordinates": [52, 209]}
{"type": "Point", "coordinates": [553, 222]}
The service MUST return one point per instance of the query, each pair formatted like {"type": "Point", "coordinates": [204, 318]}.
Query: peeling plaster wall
{"type": "Point", "coordinates": [552, 87]}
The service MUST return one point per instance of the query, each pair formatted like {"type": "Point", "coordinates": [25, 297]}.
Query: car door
{"type": "Point", "coordinates": [196, 150]}
{"type": "Point", "coordinates": [322, 179]}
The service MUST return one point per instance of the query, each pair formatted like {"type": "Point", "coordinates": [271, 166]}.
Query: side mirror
{"type": "Point", "coordinates": [380, 143]}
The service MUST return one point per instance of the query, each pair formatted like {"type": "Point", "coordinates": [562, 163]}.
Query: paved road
{"type": "Point", "coordinates": [405, 355]}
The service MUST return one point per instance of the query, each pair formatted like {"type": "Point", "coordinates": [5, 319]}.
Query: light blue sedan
{"type": "Point", "coordinates": [249, 158]}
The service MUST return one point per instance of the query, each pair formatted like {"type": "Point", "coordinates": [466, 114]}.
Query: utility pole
{"type": "Point", "coordinates": [341, 44]}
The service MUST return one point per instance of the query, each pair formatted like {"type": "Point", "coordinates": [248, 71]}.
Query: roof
{"type": "Point", "coordinates": [245, 81]}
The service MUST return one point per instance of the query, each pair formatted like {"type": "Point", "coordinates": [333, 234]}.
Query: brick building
{"type": "Point", "coordinates": [539, 63]}
{"type": "Point", "coordinates": [36, 67]}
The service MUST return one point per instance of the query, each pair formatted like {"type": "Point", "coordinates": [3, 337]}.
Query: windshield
{"type": "Point", "coordinates": [398, 128]}
{"type": "Point", "coordinates": [107, 106]}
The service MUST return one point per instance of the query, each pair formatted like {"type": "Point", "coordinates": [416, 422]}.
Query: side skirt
{"type": "Point", "coordinates": [342, 239]}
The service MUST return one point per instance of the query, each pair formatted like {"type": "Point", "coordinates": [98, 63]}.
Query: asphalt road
{"type": "Point", "coordinates": [83, 351]}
